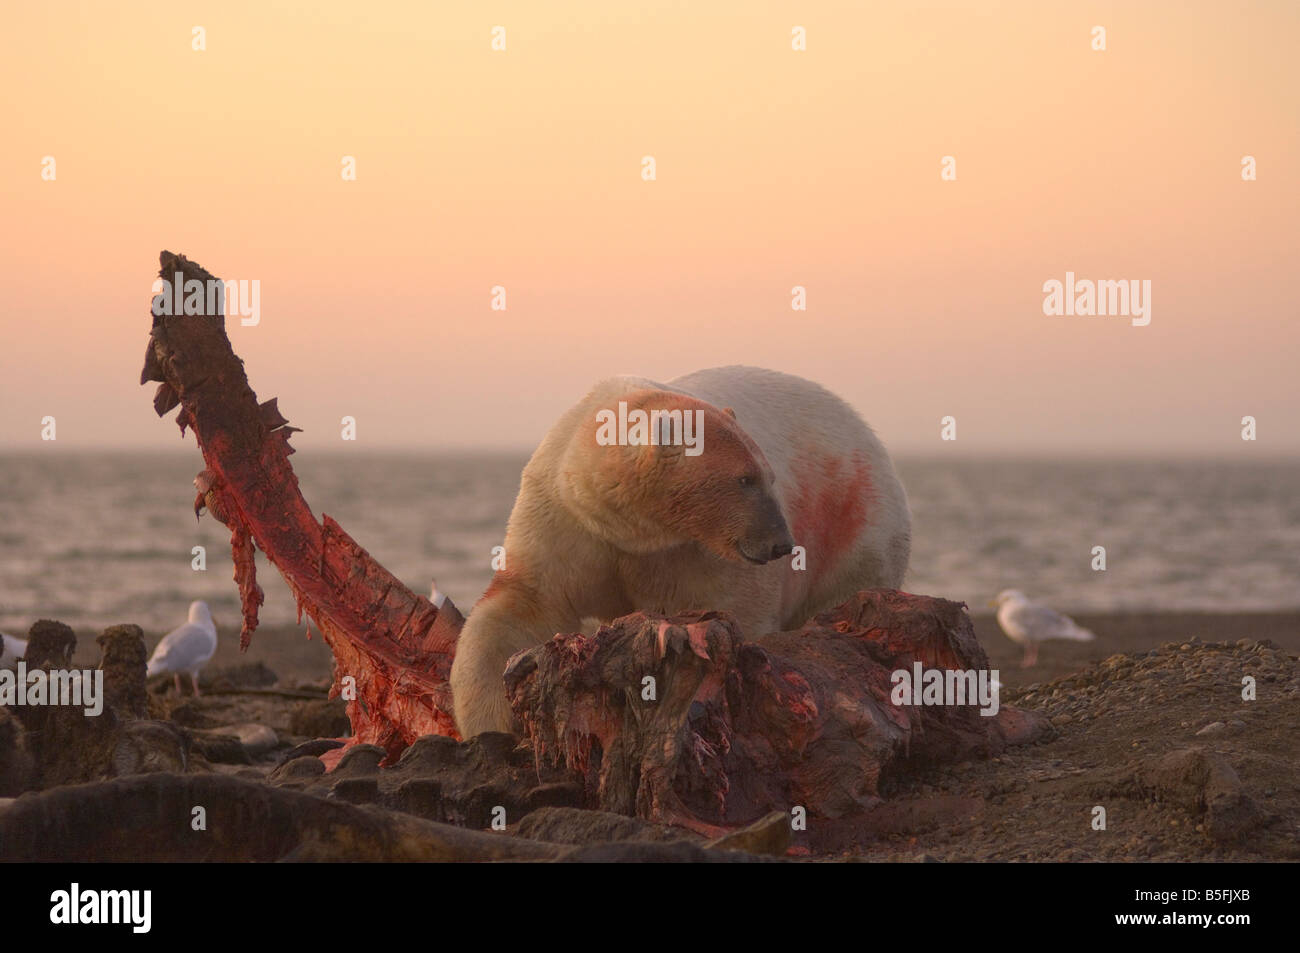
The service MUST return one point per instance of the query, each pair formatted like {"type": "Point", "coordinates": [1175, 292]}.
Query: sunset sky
{"type": "Point", "coordinates": [523, 168]}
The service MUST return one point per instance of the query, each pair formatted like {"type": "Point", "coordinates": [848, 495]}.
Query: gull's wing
{"type": "Point", "coordinates": [184, 649]}
{"type": "Point", "coordinates": [1038, 622]}
{"type": "Point", "coordinates": [11, 649]}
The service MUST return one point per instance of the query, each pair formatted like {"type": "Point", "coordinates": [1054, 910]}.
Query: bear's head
{"type": "Point", "coordinates": [656, 468]}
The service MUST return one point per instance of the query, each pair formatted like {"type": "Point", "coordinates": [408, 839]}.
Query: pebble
{"type": "Point", "coordinates": [256, 739]}
{"type": "Point", "coordinates": [1213, 728]}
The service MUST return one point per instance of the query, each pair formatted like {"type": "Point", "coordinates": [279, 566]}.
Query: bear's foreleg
{"type": "Point", "coordinates": [508, 618]}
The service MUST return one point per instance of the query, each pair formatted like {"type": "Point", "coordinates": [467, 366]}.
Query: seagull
{"type": "Point", "coordinates": [187, 648]}
{"type": "Point", "coordinates": [11, 649]}
{"type": "Point", "coordinates": [1028, 623]}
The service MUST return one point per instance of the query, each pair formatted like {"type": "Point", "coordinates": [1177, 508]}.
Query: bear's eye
{"type": "Point", "coordinates": [747, 481]}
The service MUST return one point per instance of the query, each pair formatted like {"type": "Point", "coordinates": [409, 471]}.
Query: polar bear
{"type": "Point", "coordinates": [698, 510]}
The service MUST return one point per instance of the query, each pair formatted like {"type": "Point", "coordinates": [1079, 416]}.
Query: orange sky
{"type": "Point", "coordinates": [775, 168]}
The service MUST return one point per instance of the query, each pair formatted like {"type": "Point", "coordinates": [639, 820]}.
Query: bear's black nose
{"type": "Point", "coordinates": [781, 549]}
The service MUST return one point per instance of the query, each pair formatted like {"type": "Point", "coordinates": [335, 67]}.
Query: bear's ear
{"type": "Point", "coordinates": [729, 412]}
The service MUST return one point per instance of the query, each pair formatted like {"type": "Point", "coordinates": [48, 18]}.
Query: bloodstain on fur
{"type": "Point", "coordinates": [829, 506]}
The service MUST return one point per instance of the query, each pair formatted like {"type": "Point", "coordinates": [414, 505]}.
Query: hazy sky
{"type": "Point", "coordinates": [523, 168]}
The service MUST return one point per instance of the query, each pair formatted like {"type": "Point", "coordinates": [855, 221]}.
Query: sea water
{"type": "Point", "coordinates": [97, 539]}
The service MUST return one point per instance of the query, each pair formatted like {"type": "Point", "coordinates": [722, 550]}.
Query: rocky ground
{"type": "Point", "coordinates": [1156, 734]}
{"type": "Point", "coordinates": [1162, 740]}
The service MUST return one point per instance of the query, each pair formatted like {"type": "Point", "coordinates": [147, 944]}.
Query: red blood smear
{"type": "Point", "coordinates": [829, 506]}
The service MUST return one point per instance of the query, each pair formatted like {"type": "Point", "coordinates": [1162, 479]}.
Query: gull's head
{"type": "Point", "coordinates": [199, 612]}
{"type": "Point", "coordinates": [1008, 595]}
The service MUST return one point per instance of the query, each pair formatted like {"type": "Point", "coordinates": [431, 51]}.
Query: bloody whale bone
{"type": "Point", "coordinates": [737, 728]}
{"type": "Point", "coordinates": [397, 645]}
